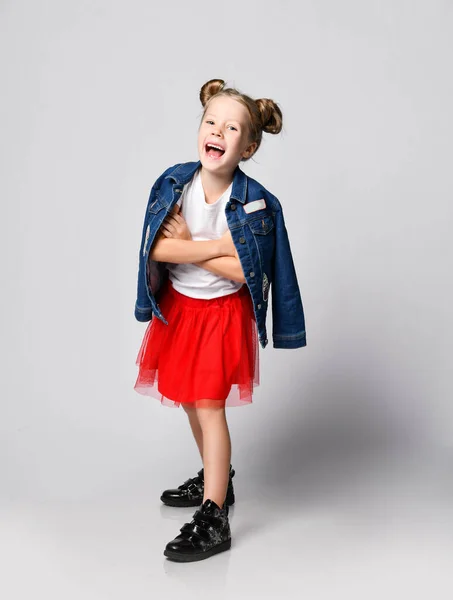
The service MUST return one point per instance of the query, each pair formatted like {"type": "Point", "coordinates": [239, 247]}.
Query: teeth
{"type": "Point", "coordinates": [213, 146]}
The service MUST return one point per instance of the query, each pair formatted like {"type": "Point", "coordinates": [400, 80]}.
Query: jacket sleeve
{"type": "Point", "coordinates": [288, 320]}
{"type": "Point", "coordinates": [143, 308]}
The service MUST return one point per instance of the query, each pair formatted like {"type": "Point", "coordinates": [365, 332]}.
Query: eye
{"type": "Point", "coordinates": [210, 122]}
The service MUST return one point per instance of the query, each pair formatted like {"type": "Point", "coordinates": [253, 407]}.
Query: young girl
{"type": "Point", "coordinates": [213, 242]}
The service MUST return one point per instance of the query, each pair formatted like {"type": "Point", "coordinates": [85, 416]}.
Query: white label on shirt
{"type": "Point", "coordinates": [255, 205]}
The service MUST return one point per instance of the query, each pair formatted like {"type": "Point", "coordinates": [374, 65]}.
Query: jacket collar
{"type": "Point", "coordinates": [185, 171]}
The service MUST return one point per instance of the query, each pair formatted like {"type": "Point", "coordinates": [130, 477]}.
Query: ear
{"type": "Point", "coordinates": [247, 153]}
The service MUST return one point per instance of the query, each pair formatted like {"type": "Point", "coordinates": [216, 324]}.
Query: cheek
{"type": "Point", "coordinates": [202, 132]}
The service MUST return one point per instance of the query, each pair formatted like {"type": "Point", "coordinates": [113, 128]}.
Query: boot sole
{"type": "Point", "coordinates": [201, 555]}
{"type": "Point", "coordinates": [186, 503]}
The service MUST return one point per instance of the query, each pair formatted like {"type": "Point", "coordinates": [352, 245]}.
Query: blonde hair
{"type": "Point", "coordinates": [265, 115]}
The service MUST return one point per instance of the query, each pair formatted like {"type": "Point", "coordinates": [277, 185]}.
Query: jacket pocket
{"type": "Point", "coordinates": [261, 225]}
{"type": "Point", "coordinates": [156, 206]}
{"type": "Point", "coordinates": [262, 230]}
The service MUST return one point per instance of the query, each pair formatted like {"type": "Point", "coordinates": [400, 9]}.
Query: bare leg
{"type": "Point", "coordinates": [216, 453]}
{"type": "Point", "coordinates": [195, 426]}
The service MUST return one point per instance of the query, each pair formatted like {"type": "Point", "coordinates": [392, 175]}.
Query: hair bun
{"type": "Point", "coordinates": [210, 88]}
{"type": "Point", "coordinates": [271, 115]}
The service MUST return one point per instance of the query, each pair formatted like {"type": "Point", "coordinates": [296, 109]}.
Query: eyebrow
{"type": "Point", "coordinates": [213, 115]}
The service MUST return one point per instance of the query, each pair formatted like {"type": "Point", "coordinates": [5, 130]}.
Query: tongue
{"type": "Point", "coordinates": [213, 153]}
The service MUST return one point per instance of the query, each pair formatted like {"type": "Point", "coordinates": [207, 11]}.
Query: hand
{"type": "Point", "coordinates": [228, 247]}
{"type": "Point", "coordinates": [175, 226]}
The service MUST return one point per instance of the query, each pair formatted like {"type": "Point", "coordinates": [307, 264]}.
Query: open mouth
{"type": "Point", "coordinates": [214, 151]}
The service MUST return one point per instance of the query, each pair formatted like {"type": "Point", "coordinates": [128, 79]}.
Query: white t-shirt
{"type": "Point", "coordinates": [205, 222]}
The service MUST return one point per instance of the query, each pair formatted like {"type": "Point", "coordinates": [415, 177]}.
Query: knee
{"type": "Point", "coordinates": [189, 409]}
{"type": "Point", "coordinates": [207, 416]}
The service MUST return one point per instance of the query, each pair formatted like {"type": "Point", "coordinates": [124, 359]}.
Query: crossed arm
{"type": "Point", "coordinates": [174, 244]}
{"type": "Point", "coordinates": [226, 266]}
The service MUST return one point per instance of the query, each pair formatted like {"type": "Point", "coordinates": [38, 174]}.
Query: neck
{"type": "Point", "coordinates": [214, 184]}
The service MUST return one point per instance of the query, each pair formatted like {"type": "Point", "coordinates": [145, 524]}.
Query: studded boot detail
{"type": "Point", "coordinates": [207, 534]}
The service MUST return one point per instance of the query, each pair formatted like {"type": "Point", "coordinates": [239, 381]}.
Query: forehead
{"type": "Point", "coordinates": [227, 108]}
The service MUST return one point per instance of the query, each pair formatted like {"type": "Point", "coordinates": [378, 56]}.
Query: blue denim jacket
{"type": "Point", "coordinates": [262, 244]}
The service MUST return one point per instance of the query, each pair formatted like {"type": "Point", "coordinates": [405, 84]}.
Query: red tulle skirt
{"type": "Point", "coordinates": [207, 355]}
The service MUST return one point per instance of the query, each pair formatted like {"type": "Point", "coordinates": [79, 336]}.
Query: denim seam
{"type": "Point", "coordinates": [142, 308]}
{"type": "Point", "coordinates": [296, 336]}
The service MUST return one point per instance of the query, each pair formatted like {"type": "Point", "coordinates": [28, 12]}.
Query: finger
{"type": "Point", "coordinates": [177, 218]}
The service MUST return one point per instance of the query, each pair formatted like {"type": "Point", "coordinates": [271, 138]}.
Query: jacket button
{"type": "Point", "coordinates": [259, 306]}
{"type": "Point", "coordinates": [233, 207]}
{"type": "Point", "coordinates": [242, 240]}
{"type": "Point", "coordinates": [252, 274]}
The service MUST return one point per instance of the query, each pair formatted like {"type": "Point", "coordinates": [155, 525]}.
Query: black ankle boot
{"type": "Point", "coordinates": [190, 493]}
{"type": "Point", "coordinates": [207, 534]}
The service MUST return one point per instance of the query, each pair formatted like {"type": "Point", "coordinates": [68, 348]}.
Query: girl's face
{"type": "Point", "coordinates": [225, 124]}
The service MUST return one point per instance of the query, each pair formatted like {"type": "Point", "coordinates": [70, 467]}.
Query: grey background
{"type": "Point", "coordinates": [343, 459]}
